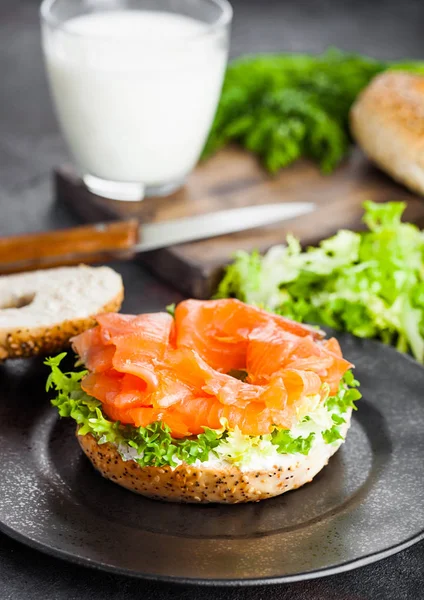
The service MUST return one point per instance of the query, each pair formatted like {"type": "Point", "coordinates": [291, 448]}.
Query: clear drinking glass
{"type": "Point", "coordinates": [135, 85]}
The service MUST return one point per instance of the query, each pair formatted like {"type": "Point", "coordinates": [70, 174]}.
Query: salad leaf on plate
{"type": "Point", "coordinates": [370, 283]}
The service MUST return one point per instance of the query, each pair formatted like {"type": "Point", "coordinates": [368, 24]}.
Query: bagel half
{"type": "Point", "coordinates": [387, 121]}
{"type": "Point", "coordinates": [209, 482]}
{"type": "Point", "coordinates": [40, 311]}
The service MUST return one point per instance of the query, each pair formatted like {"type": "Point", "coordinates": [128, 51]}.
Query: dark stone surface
{"type": "Point", "coordinates": [30, 146]}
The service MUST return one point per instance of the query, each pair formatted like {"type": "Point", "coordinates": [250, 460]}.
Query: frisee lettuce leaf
{"type": "Point", "coordinates": [170, 309]}
{"type": "Point", "coordinates": [370, 283]}
{"type": "Point", "coordinates": [332, 435]}
{"type": "Point", "coordinates": [154, 445]}
{"type": "Point", "coordinates": [286, 444]}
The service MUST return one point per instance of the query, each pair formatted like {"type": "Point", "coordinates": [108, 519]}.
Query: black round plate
{"type": "Point", "coordinates": [365, 505]}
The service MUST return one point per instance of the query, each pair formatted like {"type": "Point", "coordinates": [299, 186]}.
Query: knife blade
{"type": "Point", "coordinates": [189, 229]}
{"type": "Point", "coordinates": [102, 242]}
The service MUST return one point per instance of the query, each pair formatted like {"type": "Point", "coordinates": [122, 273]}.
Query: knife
{"type": "Point", "coordinates": [102, 242]}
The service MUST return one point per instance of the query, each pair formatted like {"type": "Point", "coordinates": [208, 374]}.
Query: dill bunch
{"type": "Point", "coordinates": [283, 107]}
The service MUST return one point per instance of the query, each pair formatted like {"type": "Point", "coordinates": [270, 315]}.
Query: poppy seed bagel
{"type": "Point", "coordinates": [41, 310]}
{"type": "Point", "coordinates": [206, 482]}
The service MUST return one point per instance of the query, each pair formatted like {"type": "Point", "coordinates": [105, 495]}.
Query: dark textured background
{"type": "Point", "coordinates": [30, 146]}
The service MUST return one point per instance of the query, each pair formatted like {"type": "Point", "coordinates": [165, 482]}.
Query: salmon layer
{"type": "Point", "coordinates": [216, 363]}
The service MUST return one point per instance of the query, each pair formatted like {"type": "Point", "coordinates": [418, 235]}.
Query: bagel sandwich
{"type": "Point", "coordinates": [219, 402]}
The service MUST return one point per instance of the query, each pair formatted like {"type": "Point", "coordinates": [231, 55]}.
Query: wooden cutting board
{"type": "Point", "coordinates": [234, 178]}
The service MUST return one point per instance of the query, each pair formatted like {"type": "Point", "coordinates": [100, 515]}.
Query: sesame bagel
{"type": "Point", "coordinates": [387, 121]}
{"type": "Point", "coordinates": [211, 481]}
{"type": "Point", "coordinates": [40, 311]}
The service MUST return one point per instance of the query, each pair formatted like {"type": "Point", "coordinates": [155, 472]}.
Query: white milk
{"type": "Point", "coordinates": [135, 91]}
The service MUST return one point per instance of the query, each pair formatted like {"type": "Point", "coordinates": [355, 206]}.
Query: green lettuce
{"type": "Point", "coordinates": [170, 309]}
{"type": "Point", "coordinates": [370, 283]}
{"type": "Point", "coordinates": [154, 445]}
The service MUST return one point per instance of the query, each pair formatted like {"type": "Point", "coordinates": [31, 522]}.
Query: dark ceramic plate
{"type": "Point", "coordinates": [367, 504]}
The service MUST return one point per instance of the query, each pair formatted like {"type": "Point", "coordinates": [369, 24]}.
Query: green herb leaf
{"type": "Point", "coordinates": [284, 106]}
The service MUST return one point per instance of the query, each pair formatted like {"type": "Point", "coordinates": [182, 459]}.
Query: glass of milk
{"type": "Point", "coordinates": [135, 85]}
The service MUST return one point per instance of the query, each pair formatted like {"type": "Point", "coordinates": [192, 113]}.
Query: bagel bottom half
{"type": "Point", "coordinates": [206, 482]}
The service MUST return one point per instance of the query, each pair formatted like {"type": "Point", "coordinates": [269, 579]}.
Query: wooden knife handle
{"type": "Point", "coordinates": [100, 242]}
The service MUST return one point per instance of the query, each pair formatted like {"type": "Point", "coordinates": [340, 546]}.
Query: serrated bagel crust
{"type": "Point", "coordinates": [203, 484]}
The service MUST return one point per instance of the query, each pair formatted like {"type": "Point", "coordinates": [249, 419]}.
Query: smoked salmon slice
{"type": "Point", "coordinates": [180, 371]}
{"type": "Point", "coordinates": [92, 351]}
{"type": "Point", "coordinates": [219, 329]}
